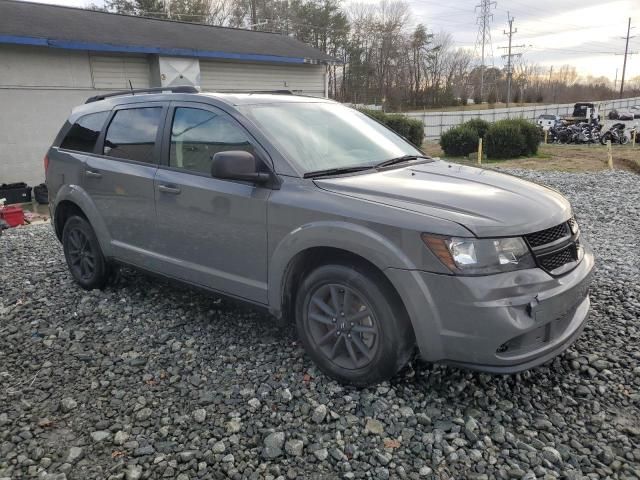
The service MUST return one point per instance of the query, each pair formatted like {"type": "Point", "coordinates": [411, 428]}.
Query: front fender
{"type": "Point", "coordinates": [78, 196]}
{"type": "Point", "coordinates": [350, 237]}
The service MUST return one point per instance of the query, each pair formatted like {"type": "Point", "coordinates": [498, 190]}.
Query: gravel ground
{"type": "Point", "coordinates": [150, 380]}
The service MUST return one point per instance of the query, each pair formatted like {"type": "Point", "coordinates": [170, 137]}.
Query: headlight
{"type": "Point", "coordinates": [473, 256]}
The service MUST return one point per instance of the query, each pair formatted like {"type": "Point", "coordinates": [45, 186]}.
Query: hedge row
{"type": "Point", "coordinates": [409, 128]}
{"type": "Point", "coordinates": [502, 139]}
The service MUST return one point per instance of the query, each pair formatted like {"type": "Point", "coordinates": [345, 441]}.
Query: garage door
{"type": "Point", "coordinates": [229, 77]}
{"type": "Point", "coordinates": [115, 71]}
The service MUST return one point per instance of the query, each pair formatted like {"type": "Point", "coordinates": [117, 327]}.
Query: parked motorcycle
{"type": "Point", "coordinates": [615, 134]}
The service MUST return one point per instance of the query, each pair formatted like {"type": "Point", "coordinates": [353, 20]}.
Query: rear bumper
{"type": "Point", "coordinates": [499, 323]}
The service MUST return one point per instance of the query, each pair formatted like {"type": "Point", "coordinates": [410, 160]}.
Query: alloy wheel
{"type": "Point", "coordinates": [342, 325]}
{"type": "Point", "coordinates": [82, 258]}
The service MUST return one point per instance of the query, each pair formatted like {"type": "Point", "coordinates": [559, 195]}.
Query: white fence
{"type": "Point", "coordinates": [435, 123]}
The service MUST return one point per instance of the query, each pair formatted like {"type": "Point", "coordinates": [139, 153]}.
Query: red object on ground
{"type": "Point", "coordinates": [14, 216]}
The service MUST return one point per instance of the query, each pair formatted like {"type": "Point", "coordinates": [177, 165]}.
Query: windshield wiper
{"type": "Point", "coordinates": [336, 171]}
{"type": "Point", "coordinates": [402, 159]}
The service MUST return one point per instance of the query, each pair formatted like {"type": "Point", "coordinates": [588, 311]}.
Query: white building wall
{"type": "Point", "coordinates": [38, 88]}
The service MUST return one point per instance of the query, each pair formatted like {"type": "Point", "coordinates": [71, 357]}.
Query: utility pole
{"type": "Point", "coordinates": [626, 51]}
{"type": "Point", "coordinates": [483, 40]}
{"type": "Point", "coordinates": [552, 90]}
{"type": "Point", "coordinates": [509, 56]}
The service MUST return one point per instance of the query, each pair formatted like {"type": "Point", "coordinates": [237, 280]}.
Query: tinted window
{"type": "Point", "coordinates": [197, 135]}
{"type": "Point", "coordinates": [83, 134]}
{"type": "Point", "coordinates": [132, 134]}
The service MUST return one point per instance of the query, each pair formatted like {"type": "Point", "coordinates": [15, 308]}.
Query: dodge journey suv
{"type": "Point", "coordinates": [326, 218]}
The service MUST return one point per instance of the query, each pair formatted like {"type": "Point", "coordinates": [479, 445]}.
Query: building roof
{"type": "Point", "coordinates": [78, 29]}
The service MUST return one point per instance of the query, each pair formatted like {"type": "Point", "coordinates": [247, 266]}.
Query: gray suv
{"type": "Point", "coordinates": [326, 218]}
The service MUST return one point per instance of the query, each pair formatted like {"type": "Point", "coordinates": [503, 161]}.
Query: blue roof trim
{"type": "Point", "coordinates": [179, 52]}
{"type": "Point", "coordinates": [23, 40]}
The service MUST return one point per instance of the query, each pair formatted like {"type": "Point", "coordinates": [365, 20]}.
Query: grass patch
{"type": "Point", "coordinates": [565, 158]}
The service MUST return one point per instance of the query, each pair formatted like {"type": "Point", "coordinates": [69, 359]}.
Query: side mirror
{"type": "Point", "coordinates": [237, 165]}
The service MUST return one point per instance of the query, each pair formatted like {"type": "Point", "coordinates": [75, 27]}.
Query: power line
{"type": "Point", "coordinates": [510, 55]}
{"type": "Point", "coordinates": [624, 64]}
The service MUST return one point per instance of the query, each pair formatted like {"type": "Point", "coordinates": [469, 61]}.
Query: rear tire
{"type": "Point", "coordinates": [84, 257]}
{"type": "Point", "coordinates": [353, 324]}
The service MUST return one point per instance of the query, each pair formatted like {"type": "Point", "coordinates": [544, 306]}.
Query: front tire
{"type": "Point", "coordinates": [353, 324]}
{"type": "Point", "coordinates": [84, 257]}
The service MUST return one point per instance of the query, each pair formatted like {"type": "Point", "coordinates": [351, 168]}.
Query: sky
{"type": "Point", "coordinates": [588, 34]}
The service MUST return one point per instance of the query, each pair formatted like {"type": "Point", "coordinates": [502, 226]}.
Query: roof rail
{"type": "Point", "coordinates": [249, 92]}
{"type": "Point", "coordinates": [134, 91]}
{"type": "Point", "coordinates": [274, 92]}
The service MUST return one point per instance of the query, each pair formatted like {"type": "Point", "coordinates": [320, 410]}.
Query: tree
{"type": "Point", "coordinates": [143, 8]}
{"type": "Point", "coordinates": [492, 97]}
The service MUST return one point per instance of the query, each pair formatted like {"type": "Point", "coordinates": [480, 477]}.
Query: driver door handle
{"type": "Point", "coordinates": [169, 189]}
{"type": "Point", "coordinates": [93, 174]}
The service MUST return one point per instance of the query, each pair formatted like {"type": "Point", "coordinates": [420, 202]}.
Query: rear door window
{"type": "Point", "coordinates": [132, 134]}
{"type": "Point", "coordinates": [84, 133]}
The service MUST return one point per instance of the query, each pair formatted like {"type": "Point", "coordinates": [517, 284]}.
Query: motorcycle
{"type": "Point", "coordinates": [615, 134]}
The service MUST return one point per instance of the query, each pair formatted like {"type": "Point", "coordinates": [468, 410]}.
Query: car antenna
{"type": "Point", "coordinates": [131, 87]}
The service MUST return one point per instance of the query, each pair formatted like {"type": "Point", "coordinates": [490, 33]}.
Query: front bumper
{"type": "Point", "coordinates": [500, 323]}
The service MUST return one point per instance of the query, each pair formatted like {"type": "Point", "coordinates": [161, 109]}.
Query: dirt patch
{"type": "Point", "coordinates": [567, 158]}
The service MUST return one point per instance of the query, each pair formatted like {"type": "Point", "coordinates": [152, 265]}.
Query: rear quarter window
{"type": "Point", "coordinates": [84, 133]}
{"type": "Point", "coordinates": [132, 134]}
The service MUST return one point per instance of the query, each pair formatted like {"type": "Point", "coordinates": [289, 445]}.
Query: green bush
{"type": "Point", "coordinates": [459, 141]}
{"type": "Point", "coordinates": [378, 115]}
{"type": "Point", "coordinates": [409, 128]}
{"type": "Point", "coordinates": [531, 135]}
{"type": "Point", "coordinates": [504, 140]}
{"type": "Point", "coordinates": [479, 125]}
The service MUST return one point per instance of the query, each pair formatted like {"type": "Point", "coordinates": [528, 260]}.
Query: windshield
{"type": "Point", "coordinates": [320, 136]}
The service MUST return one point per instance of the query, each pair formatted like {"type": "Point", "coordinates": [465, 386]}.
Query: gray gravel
{"type": "Point", "coordinates": [150, 380]}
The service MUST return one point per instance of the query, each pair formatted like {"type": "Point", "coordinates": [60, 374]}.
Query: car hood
{"type": "Point", "coordinates": [486, 202]}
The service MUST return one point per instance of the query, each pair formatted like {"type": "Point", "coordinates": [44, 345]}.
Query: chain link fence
{"type": "Point", "coordinates": [436, 123]}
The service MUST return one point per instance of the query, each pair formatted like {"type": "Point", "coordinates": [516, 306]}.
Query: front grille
{"type": "Point", "coordinates": [559, 258]}
{"type": "Point", "coordinates": [549, 235]}
{"type": "Point", "coordinates": [560, 240]}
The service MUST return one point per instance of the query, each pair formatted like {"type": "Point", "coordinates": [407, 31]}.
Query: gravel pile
{"type": "Point", "coordinates": [150, 380]}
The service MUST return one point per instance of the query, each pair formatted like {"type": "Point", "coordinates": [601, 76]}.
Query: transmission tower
{"type": "Point", "coordinates": [483, 40]}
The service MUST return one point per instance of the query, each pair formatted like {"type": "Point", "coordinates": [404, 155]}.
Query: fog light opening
{"type": "Point", "coordinates": [503, 348]}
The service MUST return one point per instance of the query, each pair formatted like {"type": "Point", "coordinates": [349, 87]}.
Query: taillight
{"type": "Point", "coordinates": [46, 163]}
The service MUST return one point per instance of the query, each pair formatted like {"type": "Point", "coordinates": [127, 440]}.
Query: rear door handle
{"type": "Point", "coordinates": [93, 174]}
{"type": "Point", "coordinates": [169, 189]}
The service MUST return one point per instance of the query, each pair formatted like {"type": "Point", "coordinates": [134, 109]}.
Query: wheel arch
{"type": "Point", "coordinates": [314, 245]}
{"type": "Point", "coordinates": [71, 200]}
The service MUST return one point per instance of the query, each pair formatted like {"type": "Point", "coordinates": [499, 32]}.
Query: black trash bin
{"type": "Point", "coordinates": [15, 192]}
{"type": "Point", "coordinates": [41, 194]}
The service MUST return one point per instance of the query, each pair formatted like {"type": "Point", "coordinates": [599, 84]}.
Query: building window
{"type": "Point", "coordinates": [197, 135]}
{"type": "Point", "coordinates": [84, 132]}
{"type": "Point", "coordinates": [132, 134]}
